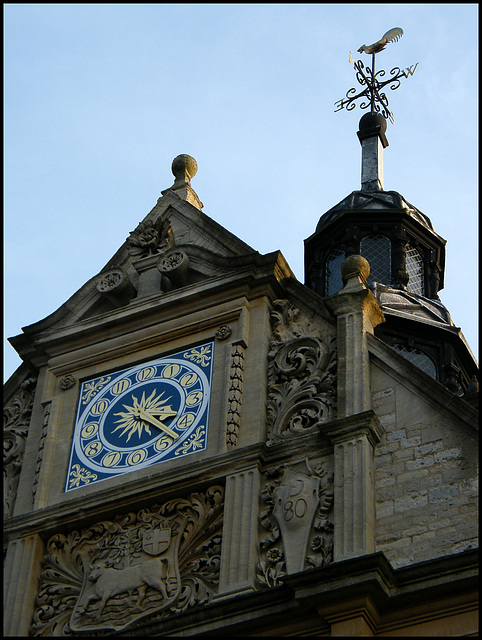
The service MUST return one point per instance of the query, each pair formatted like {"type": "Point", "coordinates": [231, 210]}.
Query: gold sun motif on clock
{"type": "Point", "coordinates": [144, 414]}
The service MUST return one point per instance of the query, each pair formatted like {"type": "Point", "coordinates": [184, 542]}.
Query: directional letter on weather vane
{"type": "Point", "coordinates": [377, 101]}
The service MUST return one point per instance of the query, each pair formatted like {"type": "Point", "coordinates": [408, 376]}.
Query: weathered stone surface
{"type": "Point", "coordinates": [423, 469]}
{"type": "Point", "coordinates": [155, 562]}
{"type": "Point", "coordinates": [336, 474]}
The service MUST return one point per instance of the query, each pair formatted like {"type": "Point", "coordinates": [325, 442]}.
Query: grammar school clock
{"type": "Point", "coordinates": [143, 415]}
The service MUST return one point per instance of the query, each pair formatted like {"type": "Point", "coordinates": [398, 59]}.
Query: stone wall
{"type": "Point", "coordinates": [425, 478]}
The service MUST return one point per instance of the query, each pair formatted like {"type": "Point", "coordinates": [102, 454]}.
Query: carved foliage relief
{"type": "Point", "coordinates": [297, 531]}
{"type": "Point", "coordinates": [158, 561]}
{"type": "Point", "coordinates": [150, 237]}
{"type": "Point", "coordinates": [301, 373]}
{"type": "Point", "coordinates": [16, 421]}
{"type": "Point", "coordinates": [235, 394]}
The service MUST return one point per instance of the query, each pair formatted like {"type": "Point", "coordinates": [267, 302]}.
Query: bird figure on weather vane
{"type": "Point", "coordinates": [390, 36]}
{"type": "Point", "coordinates": [371, 80]}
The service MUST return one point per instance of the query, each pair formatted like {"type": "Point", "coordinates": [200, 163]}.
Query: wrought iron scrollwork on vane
{"type": "Point", "coordinates": [373, 95]}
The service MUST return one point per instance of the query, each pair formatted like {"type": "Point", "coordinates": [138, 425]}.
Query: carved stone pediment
{"type": "Point", "coordinates": [301, 373]}
{"type": "Point", "coordinates": [152, 563]}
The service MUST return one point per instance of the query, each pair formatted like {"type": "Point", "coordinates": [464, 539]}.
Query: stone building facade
{"type": "Point", "coordinates": [198, 444]}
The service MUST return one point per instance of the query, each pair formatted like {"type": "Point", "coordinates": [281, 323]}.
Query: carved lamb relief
{"type": "Point", "coordinates": [160, 560]}
{"type": "Point", "coordinates": [297, 532]}
{"type": "Point", "coordinates": [301, 373]}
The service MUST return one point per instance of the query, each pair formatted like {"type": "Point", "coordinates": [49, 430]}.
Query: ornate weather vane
{"type": "Point", "coordinates": [371, 80]}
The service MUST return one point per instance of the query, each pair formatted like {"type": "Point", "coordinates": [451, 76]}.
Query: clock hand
{"type": "Point", "coordinates": [157, 423]}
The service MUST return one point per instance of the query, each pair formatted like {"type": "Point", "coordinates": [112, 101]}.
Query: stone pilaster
{"type": "Point", "coordinates": [22, 571]}
{"type": "Point", "coordinates": [358, 313]}
{"type": "Point", "coordinates": [357, 430]}
{"type": "Point", "coordinates": [240, 532]}
{"type": "Point", "coordinates": [354, 440]}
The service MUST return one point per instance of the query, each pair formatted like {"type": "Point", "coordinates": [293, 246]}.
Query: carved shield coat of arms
{"type": "Point", "coordinates": [113, 574]}
{"type": "Point", "coordinates": [156, 541]}
{"type": "Point", "coordinates": [118, 588]}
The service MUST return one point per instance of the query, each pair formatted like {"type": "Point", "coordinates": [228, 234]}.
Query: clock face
{"type": "Point", "coordinates": [143, 415]}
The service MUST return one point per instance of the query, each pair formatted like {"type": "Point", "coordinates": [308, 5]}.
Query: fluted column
{"type": "Point", "coordinates": [240, 532]}
{"type": "Point", "coordinates": [354, 440]}
{"type": "Point", "coordinates": [22, 570]}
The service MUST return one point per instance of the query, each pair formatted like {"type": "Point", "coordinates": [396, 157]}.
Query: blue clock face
{"type": "Point", "coordinates": [143, 415]}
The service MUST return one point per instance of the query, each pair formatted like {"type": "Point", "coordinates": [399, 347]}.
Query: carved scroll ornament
{"type": "Point", "coordinates": [156, 562]}
{"type": "Point", "coordinates": [16, 421]}
{"type": "Point", "coordinates": [301, 374]}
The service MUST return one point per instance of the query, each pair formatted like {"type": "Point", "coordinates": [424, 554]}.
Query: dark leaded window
{"type": "Point", "coordinates": [333, 280]}
{"type": "Point", "coordinates": [414, 266]}
{"type": "Point", "coordinates": [377, 250]}
{"type": "Point", "coordinates": [418, 358]}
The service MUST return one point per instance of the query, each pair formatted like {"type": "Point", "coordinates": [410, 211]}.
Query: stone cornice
{"type": "Point", "coordinates": [89, 506]}
{"type": "Point", "coordinates": [344, 429]}
{"type": "Point", "coordinates": [251, 275]}
{"type": "Point", "coordinates": [308, 601]}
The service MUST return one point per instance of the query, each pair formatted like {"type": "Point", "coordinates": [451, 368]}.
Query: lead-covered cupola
{"type": "Point", "coordinates": [405, 254]}
{"type": "Point", "coordinates": [396, 238]}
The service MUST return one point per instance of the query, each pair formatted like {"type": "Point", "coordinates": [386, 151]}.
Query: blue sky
{"type": "Point", "coordinates": [99, 99]}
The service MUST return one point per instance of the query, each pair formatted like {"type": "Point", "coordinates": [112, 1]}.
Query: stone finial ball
{"type": "Point", "coordinates": [184, 166]}
{"type": "Point", "coordinates": [354, 266]}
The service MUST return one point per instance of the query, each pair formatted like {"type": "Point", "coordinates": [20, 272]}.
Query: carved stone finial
{"type": "Point", "coordinates": [354, 272]}
{"type": "Point", "coordinates": [183, 168]}
{"type": "Point", "coordinates": [174, 265]}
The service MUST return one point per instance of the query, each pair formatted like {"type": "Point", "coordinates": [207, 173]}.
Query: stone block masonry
{"type": "Point", "coordinates": [425, 483]}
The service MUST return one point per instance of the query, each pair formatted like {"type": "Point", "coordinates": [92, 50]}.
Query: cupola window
{"type": "Point", "coordinates": [333, 280]}
{"type": "Point", "coordinates": [414, 266]}
{"type": "Point", "coordinates": [377, 250]}
{"type": "Point", "coordinates": [418, 358]}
